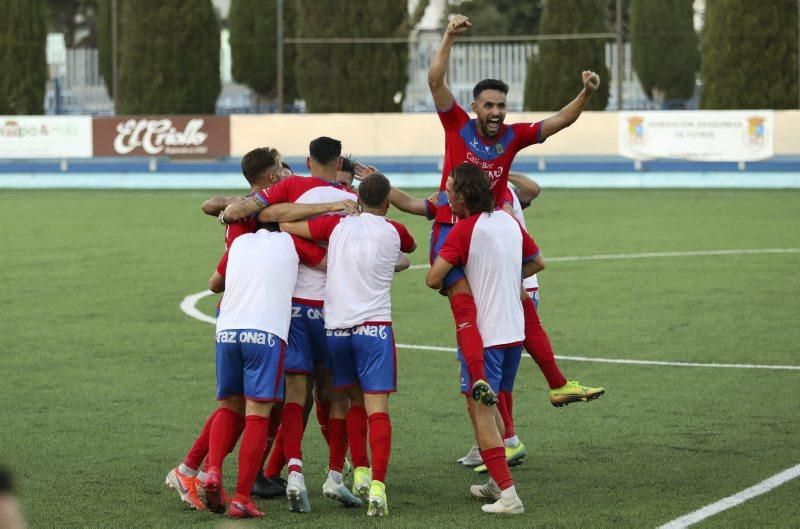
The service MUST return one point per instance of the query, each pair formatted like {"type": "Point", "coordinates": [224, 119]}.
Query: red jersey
{"type": "Point", "coordinates": [463, 143]}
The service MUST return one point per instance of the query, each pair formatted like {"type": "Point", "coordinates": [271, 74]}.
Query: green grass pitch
{"type": "Point", "coordinates": [105, 382]}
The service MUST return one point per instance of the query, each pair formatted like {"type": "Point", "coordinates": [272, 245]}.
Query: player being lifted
{"type": "Point", "coordinates": [491, 145]}
{"type": "Point", "coordinates": [363, 253]}
{"type": "Point", "coordinates": [493, 252]}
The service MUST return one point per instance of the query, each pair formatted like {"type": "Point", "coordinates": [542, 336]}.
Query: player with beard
{"type": "Point", "coordinates": [491, 145]}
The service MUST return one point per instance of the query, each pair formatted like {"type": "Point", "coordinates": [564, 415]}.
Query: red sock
{"type": "Point", "coordinates": [272, 431]}
{"type": "Point", "coordinates": [237, 433]}
{"type": "Point", "coordinates": [468, 337]}
{"type": "Point", "coordinates": [222, 435]}
{"type": "Point", "coordinates": [337, 441]}
{"type": "Point", "coordinates": [357, 433]}
{"type": "Point", "coordinates": [277, 460]}
{"type": "Point", "coordinates": [323, 414]}
{"type": "Point", "coordinates": [503, 407]}
{"type": "Point", "coordinates": [380, 444]}
{"type": "Point", "coordinates": [495, 461]}
{"type": "Point", "coordinates": [251, 452]}
{"type": "Point", "coordinates": [292, 425]}
{"type": "Point", "coordinates": [538, 346]}
{"type": "Point", "coordinates": [199, 449]}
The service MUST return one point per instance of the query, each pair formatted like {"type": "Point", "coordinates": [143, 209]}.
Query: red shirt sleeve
{"type": "Point", "coordinates": [309, 253]}
{"type": "Point", "coordinates": [529, 248]}
{"type": "Point", "coordinates": [454, 118]}
{"type": "Point", "coordinates": [277, 193]}
{"type": "Point", "coordinates": [455, 249]}
{"type": "Point", "coordinates": [322, 227]}
{"type": "Point", "coordinates": [430, 210]}
{"type": "Point", "coordinates": [223, 264]}
{"type": "Point", "coordinates": [527, 133]}
{"type": "Point", "coordinates": [407, 242]}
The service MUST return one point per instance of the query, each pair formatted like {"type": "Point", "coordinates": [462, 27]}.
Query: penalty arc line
{"type": "Point", "coordinates": [647, 255]}
{"type": "Point", "coordinates": [736, 499]}
{"type": "Point", "coordinates": [189, 307]}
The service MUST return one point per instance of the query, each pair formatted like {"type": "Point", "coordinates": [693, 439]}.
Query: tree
{"type": "Point", "coordinates": [554, 77]}
{"type": "Point", "coordinates": [749, 54]}
{"type": "Point", "coordinates": [335, 77]}
{"type": "Point", "coordinates": [664, 47]}
{"type": "Point", "coordinates": [499, 17]}
{"type": "Point", "coordinates": [253, 27]}
{"type": "Point", "coordinates": [103, 36]}
{"type": "Point", "coordinates": [23, 63]}
{"type": "Point", "coordinates": [170, 62]}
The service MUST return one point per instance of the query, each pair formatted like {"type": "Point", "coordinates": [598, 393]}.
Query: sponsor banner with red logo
{"type": "Point", "coordinates": [712, 136]}
{"type": "Point", "coordinates": [45, 137]}
{"type": "Point", "coordinates": [174, 136]}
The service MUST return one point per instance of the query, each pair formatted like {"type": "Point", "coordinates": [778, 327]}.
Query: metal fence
{"type": "Point", "coordinates": [76, 86]}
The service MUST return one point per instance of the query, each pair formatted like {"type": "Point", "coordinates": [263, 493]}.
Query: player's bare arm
{"type": "Point", "coordinates": [527, 189]}
{"type": "Point", "coordinates": [436, 274]}
{"type": "Point", "coordinates": [288, 212]}
{"type": "Point", "coordinates": [241, 210]}
{"type": "Point", "coordinates": [442, 95]}
{"type": "Point", "coordinates": [216, 283]}
{"type": "Point", "coordinates": [214, 205]}
{"type": "Point", "coordinates": [299, 229]}
{"type": "Point", "coordinates": [534, 266]}
{"type": "Point", "coordinates": [402, 263]}
{"type": "Point", "coordinates": [405, 202]}
{"type": "Point", "coordinates": [570, 113]}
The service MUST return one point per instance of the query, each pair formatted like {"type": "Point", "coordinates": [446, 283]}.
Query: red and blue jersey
{"type": "Point", "coordinates": [463, 143]}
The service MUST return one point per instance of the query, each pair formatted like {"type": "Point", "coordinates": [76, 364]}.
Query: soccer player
{"type": "Point", "coordinates": [491, 145]}
{"type": "Point", "coordinates": [258, 277]}
{"type": "Point", "coordinates": [363, 253]}
{"type": "Point", "coordinates": [262, 168]}
{"type": "Point", "coordinates": [307, 342]}
{"type": "Point", "coordinates": [494, 252]}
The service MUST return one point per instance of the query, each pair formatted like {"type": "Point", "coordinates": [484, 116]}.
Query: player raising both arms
{"type": "Point", "coordinates": [491, 145]}
{"type": "Point", "coordinates": [363, 253]}
{"type": "Point", "coordinates": [493, 252]}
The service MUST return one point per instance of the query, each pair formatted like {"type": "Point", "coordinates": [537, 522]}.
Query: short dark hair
{"type": "Point", "coordinates": [374, 190]}
{"type": "Point", "coordinates": [489, 84]}
{"type": "Point", "coordinates": [348, 165]}
{"type": "Point", "coordinates": [473, 185]}
{"type": "Point", "coordinates": [287, 166]}
{"type": "Point", "coordinates": [257, 161]}
{"type": "Point", "coordinates": [325, 150]}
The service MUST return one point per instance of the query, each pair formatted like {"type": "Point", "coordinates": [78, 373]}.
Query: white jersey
{"type": "Point", "coordinates": [530, 283]}
{"type": "Point", "coordinates": [259, 281]}
{"type": "Point", "coordinates": [362, 253]}
{"type": "Point", "coordinates": [491, 248]}
{"type": "Point", "coordinates": [307, 190]}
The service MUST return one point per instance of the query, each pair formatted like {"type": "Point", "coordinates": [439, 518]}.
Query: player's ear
{"type": "Point", "coordinates": [474, 107]}
{"type": "Point", "coordinates": [308, 162]}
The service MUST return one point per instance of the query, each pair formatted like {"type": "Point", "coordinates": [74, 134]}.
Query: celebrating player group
{"type": "Point", "coordinates": [305, 319]}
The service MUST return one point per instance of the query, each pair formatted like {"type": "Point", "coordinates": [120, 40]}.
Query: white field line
{"type": "Point", "coordinates": [732, 501]}
{"type": "Point", "coordinates": [189, 307]}
{"type": "Point", "coordinates": [605, 257]}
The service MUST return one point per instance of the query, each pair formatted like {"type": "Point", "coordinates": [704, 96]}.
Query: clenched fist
{"type": "Point", "coordinates": [458, 24]}
{"type": "Point", "coordinates": [591, 81]}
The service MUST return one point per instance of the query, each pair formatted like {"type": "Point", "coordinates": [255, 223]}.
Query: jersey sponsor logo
{"type": "Point", "coordinates": [314, 314]}
{"type": "Point", "coordinates": [226, 337]}
{"type": "Point", "coordinates": [375, 331]}
{"type": "Point", "coordinates": [259, 338]}
{"type": "Point", "coordinates": [337, 332]}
